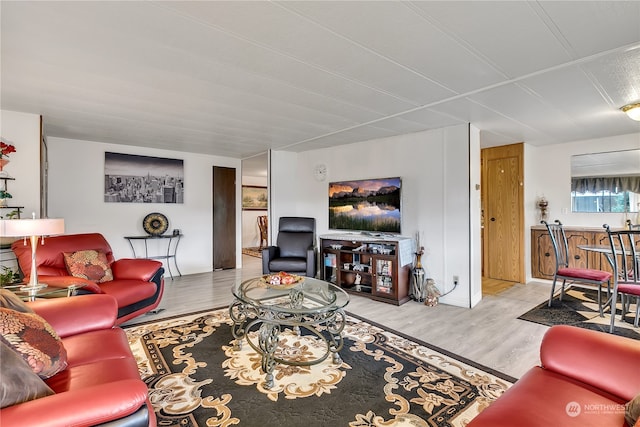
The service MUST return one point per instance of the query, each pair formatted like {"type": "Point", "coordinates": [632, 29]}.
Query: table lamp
{"type": "Point", "coordinates": [34, 229]}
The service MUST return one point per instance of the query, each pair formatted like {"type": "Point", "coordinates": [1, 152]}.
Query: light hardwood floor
{"type": "Point", "coordinates": [489, 334]}
{"type": "Point", "coordinates": [494, 286]}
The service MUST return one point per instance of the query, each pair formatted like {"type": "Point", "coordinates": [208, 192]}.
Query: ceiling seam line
{"type": "Point", "coordinates": [367, 49]}
{"type": "Point", "coordinates": [474, 92]}
{"type": "Point", "coordinates": [461, 42]}
{"type": "Point", "coordinates": [539, 10]}
{"type": "Point", "coordinates": [286, 55]}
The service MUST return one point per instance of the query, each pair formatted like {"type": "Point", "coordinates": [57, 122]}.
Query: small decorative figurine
{"type": "Point", "coordinates": [432, 293]}
{"type": "Point", "coordinates": [543, 204]}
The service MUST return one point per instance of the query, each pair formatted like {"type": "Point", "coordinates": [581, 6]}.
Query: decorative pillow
{"type": "Point", "coordinates": [18, 382]}
{"type": "Point", "coordinates": [10, 300]}
{"type": "Point", "coordinates": [89, 264]}
{"type": "Point", "coordinates": [35, 340]}
{"type": "Point", "coordinates": [632, 412]}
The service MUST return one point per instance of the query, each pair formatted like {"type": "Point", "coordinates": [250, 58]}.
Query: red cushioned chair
{"type": "Point", "coordinates": [625, 259]}
{"type": "Point", "coordinates": [584, 277]}
{"type": "Point", "coordinates": [584, 380]}
{"type": "Point", "coordinates": [100, 385]}
{"type": "Point", "coordinates": [137, 284]}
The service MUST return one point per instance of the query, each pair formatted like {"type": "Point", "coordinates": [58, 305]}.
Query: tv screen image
{"type": "Point", "coordinates": [365, 205]}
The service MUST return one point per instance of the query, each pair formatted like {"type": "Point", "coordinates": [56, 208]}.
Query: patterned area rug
{"type": "Point", "coordinates": [579, 307]}
{"type": "Point", "coordinates": [254, 252]}
{"type": "Point", "coordinates": [196, 378]}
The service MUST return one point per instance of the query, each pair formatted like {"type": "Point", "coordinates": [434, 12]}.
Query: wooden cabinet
{"type": "Point", "coordinates": [543, 261]}
{"type": "Point", "coordinates": [375, 268]}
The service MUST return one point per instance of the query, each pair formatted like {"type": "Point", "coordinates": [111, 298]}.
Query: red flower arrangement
{"type": "Point", "coordinates": [6, 149]}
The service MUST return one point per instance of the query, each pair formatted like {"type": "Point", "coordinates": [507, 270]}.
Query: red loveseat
{"type": "Point", "coordinates": [137, 284]}
{"type": "Point", "coordinates": [101, 383]}
{"type": "Point", "coordinates": [585, 379]}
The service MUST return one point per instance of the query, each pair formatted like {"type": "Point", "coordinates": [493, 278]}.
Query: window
{"type": "Point", "coordinates": [605, 201]}
{"type": "Point", "coordinates": [605, 194]}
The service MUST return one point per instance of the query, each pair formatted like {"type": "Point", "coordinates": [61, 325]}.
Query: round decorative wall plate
{"type": "Point", "coordinates": [155, 224]}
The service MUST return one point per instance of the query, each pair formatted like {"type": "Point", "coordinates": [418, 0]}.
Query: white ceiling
{"type": "Point", "coordinates": [238, 78]}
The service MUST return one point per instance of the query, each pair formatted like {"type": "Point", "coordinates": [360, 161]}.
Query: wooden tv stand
{"type": "Point", "coordinates": [375, 266]}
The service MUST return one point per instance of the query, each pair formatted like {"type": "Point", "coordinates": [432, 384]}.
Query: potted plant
{"type": "Point", "coordinates": [5, 150]}
{"type": "Point", "coordinates": [8, 276]}
{"type": "Point", "coordinates": [4, 195]}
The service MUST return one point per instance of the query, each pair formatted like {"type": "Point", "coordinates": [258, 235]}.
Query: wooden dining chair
{"type": "Point", "coordinates": [263, 227]}
{"type": "Point", "coordinates": [625, 260]}
{"type": "Point", "coordinates": [582, 277]}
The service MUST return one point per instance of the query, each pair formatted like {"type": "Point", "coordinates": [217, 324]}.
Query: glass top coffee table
{"type": "Point", "coordinates": [311, 306]}
{"type": "Point", "coordinates": [27, 294]}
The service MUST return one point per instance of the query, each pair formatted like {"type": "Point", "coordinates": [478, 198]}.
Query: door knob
{"type": "Point", "coordinates": [493, 219]}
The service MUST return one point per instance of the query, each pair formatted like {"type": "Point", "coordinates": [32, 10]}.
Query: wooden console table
{"type": "Point", "coordinates": [172, 248]}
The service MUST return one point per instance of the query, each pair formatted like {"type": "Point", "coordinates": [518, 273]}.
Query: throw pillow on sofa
{"type": "Point", "coordinates": [632, 412]}
{"type": "Point", "coordinates": [10, 300]}
{"type": "Point", "coordinates": [88, 264]}
{"type": "Point", "coordinates": [18, 382]}
{"type": "Point", "coordinates": [34, 340]}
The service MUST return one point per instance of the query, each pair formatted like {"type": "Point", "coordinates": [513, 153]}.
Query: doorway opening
{"type": "Point", "coordinates": [502, 195]}
{"type": "Point", "coordinates": [254, 212]}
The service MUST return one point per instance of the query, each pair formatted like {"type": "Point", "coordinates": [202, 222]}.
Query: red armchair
{"type": "Point", "coordinates": [585, 379]}
{"type": "Point", "coordinates": [137, 284]}
{"type": "Point", "coordinates": [101, 383]}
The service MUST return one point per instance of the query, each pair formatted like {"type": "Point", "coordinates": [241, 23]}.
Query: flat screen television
{"type": "Point", "coordinates": [371, 205]}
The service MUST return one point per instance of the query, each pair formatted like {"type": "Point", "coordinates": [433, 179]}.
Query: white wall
{"type": "Point", "coordinates": [548, 173]}
{"type": "Point", "coordinates": [76, 193]}
{"type": "Point", "coordinates": [434, 167]}
{"type": "Point", "coordinates": [475, 226]}
{"type": "Point", "coordinates": [23, 131]}
{"type": "Point", "coordinates": [288, 173]}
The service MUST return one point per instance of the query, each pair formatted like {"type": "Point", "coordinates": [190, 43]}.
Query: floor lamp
{"type": "Point", "coordinates": [34, 229]}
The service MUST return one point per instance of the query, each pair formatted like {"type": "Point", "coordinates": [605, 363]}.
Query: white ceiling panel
{"type": "Point", "coordinates": [317, 46]}
{"type": "Point", "coordinates": [593, 113]}
{"type": "Point", "coordinates": [406, 123]}
{"type": "Point", "coordinates": [525, 107]}
{"type": "Point", "coordinates": [591, 27]}
{"type": "Point", "coordinates": [509, 35]}
{"type": "Point", "coordinates": [498, 123]}
{"type": "Point", "coordinates": [349, 136]}
{"type": "Point", "coordinates": [618, 76]}
{"type": "Point", "coordinates": [237, 78]}
{"type": "Point", "coordinates": [429, 117]}
{"type": "Point", "coordinates": [395, 30]}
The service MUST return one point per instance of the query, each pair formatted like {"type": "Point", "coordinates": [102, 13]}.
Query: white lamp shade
{"type": "Point", "coordinates": [31, 227]}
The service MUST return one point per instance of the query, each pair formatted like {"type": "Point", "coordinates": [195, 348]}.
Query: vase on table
{"type": "Point", "coordinates": [417, 292]}
{"type": "Point", "coordinates": [3, 163]}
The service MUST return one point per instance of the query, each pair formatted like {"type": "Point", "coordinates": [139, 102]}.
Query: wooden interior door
{"type": "Point", "coordinates": [503, 204]}
{"type": "Point", "coordinates": [224, 218]}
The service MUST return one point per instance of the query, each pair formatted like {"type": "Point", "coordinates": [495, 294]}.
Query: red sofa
{"type": "Point", "coordinates": [100, 384]}
{"type": "Point", "coordinates": [137, 284]}
{"type": "Point", "coordinates": [584, 380]}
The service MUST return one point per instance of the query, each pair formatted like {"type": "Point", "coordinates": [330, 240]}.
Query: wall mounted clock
{"type": "Point", "coordinates": [320, 172]}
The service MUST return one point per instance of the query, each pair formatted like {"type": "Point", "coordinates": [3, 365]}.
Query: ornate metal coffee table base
{"type": "Point", "coordinates": [327, 326]}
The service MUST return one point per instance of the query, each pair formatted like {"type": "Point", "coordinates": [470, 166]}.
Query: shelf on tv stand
{"type": "Point", "coordinates": [382, 262]}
